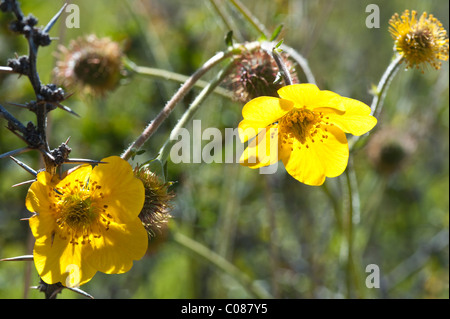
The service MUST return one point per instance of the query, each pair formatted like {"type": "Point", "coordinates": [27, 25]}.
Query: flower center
{"type": "Point", "coordinates": [303, 124]}
{"type": "Point", "coordinates": [92, 68]}
{"type": "Point", "coordinates": [80, 214]}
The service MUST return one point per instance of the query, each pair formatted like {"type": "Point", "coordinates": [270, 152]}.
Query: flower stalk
{"type": "Point", "coordinates": [178, 96]}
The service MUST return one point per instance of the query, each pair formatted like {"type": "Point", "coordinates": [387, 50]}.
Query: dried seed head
{"type": "Point", "coordinates": [388, 150]}
{"type": "Point", "coordinates": [90, 64]}
{"type": "Point", "coordinates": [256, 74]}
{"type": "Point", "coordinates": [156, 211]}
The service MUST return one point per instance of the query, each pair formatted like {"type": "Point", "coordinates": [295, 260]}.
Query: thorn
{"type": "Point", "coordinates": [50, 156]}
{"type": "Point", "coordinates": [54, 19]}
{"type": "Point", "coordinates": [81, 292]}
{"type": "Point", "coordinates": [67, 141]}
{"type": "Point", "coordinates": [6, 69]}
{"type": "Point", "coordinates": [24, 166]}
{"type": "Point", "coordinates": [15, 152]}
{"type": "Point", "coordinates": [24, 183]}
{"type": "Point", "coordinates": [19, 258]}
{"type": "Point", "coordinates": [69, 95]}
{"type": "Point", "coordinates": [65, 108]}
{"type": "Point", "coordinates": [24, 106]}
{"type": "Point", "coordinates": [82, 161]}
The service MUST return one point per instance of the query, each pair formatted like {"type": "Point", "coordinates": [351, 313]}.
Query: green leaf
{"type": "Point", "coordinates": [276, 32]}
{"type": "Point", "coordinates": [279, 43]}
{"type": "Point", "coordinates": [229, 39]}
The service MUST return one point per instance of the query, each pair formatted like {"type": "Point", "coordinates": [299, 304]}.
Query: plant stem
{"type": "Point", "coordinates": [301, 61]}
{"type": "Point", "coordinates": [377, 102]}
{"type": "Point", "coordinates": [383, 85]}
{"type": "Point", "coordinates": [352, 218]}
{"type": "Point", "coordinates": [189, 113]}
{"type": "Point", "coordinates": [281, 66]}
{"type": "Point", "coordinates": [172, 76]}
{"type": "Point", "coordinates": [251, 286]}
{"type": "Point", "coordinates": [349, 237]}
{"type": "Point", "coordinates": [251, 18]}
{"type": "Point", "coordinates": [177, 97]}
{"type": "Point", "coordinates": [229, 25]}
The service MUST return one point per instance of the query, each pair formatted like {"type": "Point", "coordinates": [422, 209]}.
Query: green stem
{"type": "Point", "coordinates": [251, 18]}
{"type": "Point", "coordinates": [349, 236]}
{"type": "Point", "coordinates": [281, 66]}
{"type": "Point", "coordinates": [168, 108]}
{"type": "Point", "coordinates": [383, 85]}
{"type": "Point", "coordinates": [182, 91]}
{"type": "Point", "coordinates": [189, 113]}
{"type": "Point", "coordinates": [336, 205]}
{"type": "Point", "coordinates": [172, 76]}
{"type": "Point", "coordinates": [229, 25]}
{"type": "Point", "coordinates": [301, 61]}
{"type": "Point", "coordinates": [380, 94]}
{"type": "Point", "coordinates": [251, 286]}
{"type": "Point", "coordinates": [352, 219]}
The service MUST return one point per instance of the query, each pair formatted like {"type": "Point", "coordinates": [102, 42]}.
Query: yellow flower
{"type": "Point", "coordinates": [87, 222]}
{"type": "Point", "coordinates": [419, 40]}
{"type": "Point", "coordinates": [305, 129]}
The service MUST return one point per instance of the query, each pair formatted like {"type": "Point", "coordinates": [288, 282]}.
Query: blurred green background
{"type": "Point", "coordinates": [279, 232]}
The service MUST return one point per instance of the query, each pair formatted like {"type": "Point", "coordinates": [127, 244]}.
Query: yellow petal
{"type": "Point", "coordinates": [355, 120]}
{"type": "Point", "coordinates": [114, 252]}
{"type": "Point", "coordinates": [309, 96]}
{"type": "Point", "coordinates": [262, 150]}
{"type": "Point", "coordinates": [261, 112]}
{"type": "Point", "coordinates": [248, 129]}
{"type": "Point", "coordinates": [310, 165]}
{"type": "Point", "coordinates": [43, 225]}
{"type": "Point", "coordinates": [57, 260]}
{"type": "Point", "coordinates": [82, 174]}
{"type": "Point", "coordinates": [122, 191]}
{"type": "Point", "coordinates": [37, 197]}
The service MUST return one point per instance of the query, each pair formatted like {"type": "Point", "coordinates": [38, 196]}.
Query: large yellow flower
{"type": "Point", "coordinates": [305, 129]}
{"type": "Point", "coordinates": [87, 222]}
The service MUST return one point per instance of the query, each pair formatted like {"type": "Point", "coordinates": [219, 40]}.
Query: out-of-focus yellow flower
{"type": "Point", "coordinates": [420, 40]}
{"type": "Point", "coordinates": [87, 222]}
{"type": "Point", "coordinates": [305, 129]}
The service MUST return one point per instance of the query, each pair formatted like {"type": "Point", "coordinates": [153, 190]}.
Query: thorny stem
{"type": "Point", "coordinates": [251, 286]}
{"type": "Point", "coordinates": [35, 137]}
{"type": "Point", "coordinates": [178, 96]}
{"type": "Point", "coordinates": [189, 113]}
